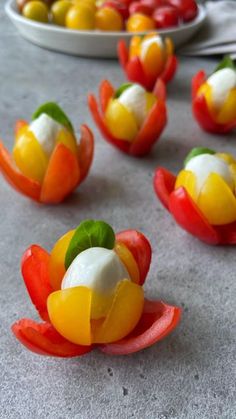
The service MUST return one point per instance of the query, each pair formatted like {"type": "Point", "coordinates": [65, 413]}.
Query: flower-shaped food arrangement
{"type": "Point", "coordinates": [202, 197]}
{"type": "Point", "coordinates": [214, 99]}
{"type": "Point", "coordinates": [148, 59]}
{"type": "Point", "coordinates": [47, 163]}
{"type": "Point", "coordinates": [130, 118]}
{"type": "Point", "coordinates": [89, 293]}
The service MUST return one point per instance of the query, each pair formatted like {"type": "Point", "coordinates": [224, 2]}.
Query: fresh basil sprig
{"type": "Point", "coordinates": [55, 112]}
{"type": "Point", "coordinates": [121, 89]}
{"type": "Point", "coordinates": [227, 62]}
{"type": "Point", "coordinates": [89, 233]}
{"type": "Point", "coordinates": [196, 152]}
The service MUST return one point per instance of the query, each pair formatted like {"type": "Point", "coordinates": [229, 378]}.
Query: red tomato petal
{"type": "Point", "coordinates": [140, 248]}
{"type": "Point", "coordinates": [170, 69]}
{"type": "Point", "coordinates": [99, 120]}
{"type": "Point", "coordinates": [123, 53]}
{"type": "Point", "coordinates": [227, 233]}
{"type": "Point", "coordinates": [159, 89]}
{"type": "Point", "coordinates": [189, 217]}
{"type": "Point", "coordinates": [197, 81]}
{"type": "Point", "coordinates": [151, 130]}
{"type": "Point", "coordinates": [20, 124]}
{"type": "Point", "coordinates": [136, 74]}
{"type": "Point", "coordinates": [35, 271]}
{"type": "Point", "coordinates": [164, 182]}
{"type": "Point", "coordinates": [21, 183]}
{"type": "Point", "coordinates": [157, 321]}
{"type": "Point", "coordinates": [43, 339]}
{"type": "Point", "coordinates": [204, 118]}
{"type": "Point", "coordinates": [106, 91]}
{"type": "Point", "coordinates": [85, 151]}
{"type": "Point", "coordinates": [62, 175]}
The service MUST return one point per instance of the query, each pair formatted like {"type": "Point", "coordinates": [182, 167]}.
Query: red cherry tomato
{"type": "Point", "coordinates": [188, 9]}
{"type": "Point", "coordinates": [119, 6]}
{"type": "Point", "coordinates": [153, 3]}
{"type": "Point", "coordinates": [166, 17]}
{"type": "Point", "coordinates": [139, 7]}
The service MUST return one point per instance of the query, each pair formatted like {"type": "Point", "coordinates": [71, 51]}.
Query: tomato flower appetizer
{"type": "Point", "coordinates": [89, 293]}
{"type": "Point", "coordinates": [47, 164]}
{"type": "Point", "coordinates": [202, 197]}
{"type": "Point", "coordinates": [131, 118]}
{"type": "Point", "coordinates": [214, 99]}
{"type": "Point", "coordinates": [148, 59]}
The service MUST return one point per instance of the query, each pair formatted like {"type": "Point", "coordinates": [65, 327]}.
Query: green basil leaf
{"type": "Point", "coordinates": [56, 113]}
{"type": "Point", "coordinates": [89, 233]}
{"type": "Point", "coordinates": [227, 62]}
{"type": "Point", "coordinates": [196, 152]}
{"type": "Point", "coordinates": [121, 89]}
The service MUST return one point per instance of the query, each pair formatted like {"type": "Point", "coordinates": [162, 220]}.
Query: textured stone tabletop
{"type": "Point", "coordinates": [190, 374]}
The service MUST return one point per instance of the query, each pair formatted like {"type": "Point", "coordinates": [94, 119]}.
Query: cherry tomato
{"type": "Point", "coordinates": [119, 7]}
{"type": "Point", "coordinates": [166, 17]}
{"type": "Point", "coordinates": [139, 7]}
{"type": "Point", "coordinates": [109, 19]}
{"type": "Point", "coordinates": [188, 9]}
{"type": "Point", "coordinates": [36, 10]}
{"type": "Point", "coordinates": [140, 23]}
{"type": "Point", "coordinates": [80, 17]}
{"type": "Point", "coordinates": [153, 3]}
{"type": "Point", "coordinates": [22, 3]}
{"type": "Point", "coordinates": [59, 11]}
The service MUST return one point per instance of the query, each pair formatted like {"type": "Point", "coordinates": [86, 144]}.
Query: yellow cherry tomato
{"type": "Point", "coordinates": [108, 19]}
{"type": "Point", "coordinates": [90, 3]}
{"type": "Point", "coordinates": [69, 312]}
{"type": "Point", "coordinates": [187, 179]}
{"type": "Point", "coordinates": [30, 157]}
{"type": "Point", "coordinates": [124, 314]}
{"type": "Point", "coordinates": [154, 59]}
{"type": "Point", "coordinates": [227, 113]}
{"type": "Point", "coordinates": [67, 138]}
{"type": "Point", "coordinates": [36, 10]}
{"type": "Point", "coordinates": [128, 260]}
{"type": "Point", "coordinates": [134, 48]}
{"type": "Point", "coordinates": [120, 121]}
{"type": "Point", "coordinates": [80, 17]}
{"type": "Point", "coordinates": [59, 11]}
{"type": "Point", "coordinates": [139, 23]}
{"type": "Point", "coordinates": [57, 268]}
{"type": "Point", "coordinates": [150, 101]}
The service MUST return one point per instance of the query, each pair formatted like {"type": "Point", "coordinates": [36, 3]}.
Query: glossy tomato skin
{"type": "Point", "coordinates": [153, 3]}
{"type": "Point", "coordinates": [166, 17]}
{"type": "Point", "coordinates": [188, 9]}
{"type": "Point", "coordinates": [119, 6]}
{"type": "Point", "coordinates": [140, 7]}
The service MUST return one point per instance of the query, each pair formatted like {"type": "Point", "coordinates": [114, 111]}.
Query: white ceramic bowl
{"type": "Point", "coordinates": [89, 43]}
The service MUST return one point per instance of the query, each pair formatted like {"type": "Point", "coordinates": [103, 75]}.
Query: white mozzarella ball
{"type": "Point", "coordinates": [45, 130]}
{"type": "Point", "coordinates": [222, 82]}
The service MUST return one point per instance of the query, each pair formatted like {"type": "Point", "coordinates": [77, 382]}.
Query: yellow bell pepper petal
{"type": "Point", "coordinates": [154, 59]}
{"type": "Point", "coordinates": [134, 48]}
{"type": "Point", "coordinates": [217, 201]}
{"type": "Point", "coordinates": [67, 138]}
{"type": "Point", "coordinates": [69, 312]}
{"type": "Point", "coordinates": [124, 314]}
{"type": "Point", "coordinates": [228, 158]}
{"type": "Point", "coordinates": [30, 157]}
{"type": "Point", "coordinates": [150, 101]}
{"type": "Point", "coordinates": [120, 121]}
{"type": "Point", "coordinates": [57, 268]}
{"type": "Point", "coordinates": [169, 47]}
{"type": "Point", "coordinates": [128, 260]}
{"type": "Point", "coordinates": [227, 112]}
{"type": "Point", "coordinates": [187, 179]}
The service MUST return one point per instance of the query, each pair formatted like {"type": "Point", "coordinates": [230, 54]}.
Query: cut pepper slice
{"type": "Point", "coordinates": [157, 321]}
{"type": "Point", "coordinates": [21, 183]}
{"type": "Point", "coordinates": [123, 53]}
{"type": "Point", "coordinates": [151, 129]}
{"type": "Point", "coordinates": [43, 339]}
{"type": "Point", "coordinates": [128, 260]}
{"type": "Point", "coordinates": [57, 268]}
{"type": "Point", "coordinates": [106, 92]}
{"type": "Point", "coordinates": [62, 175]}
{"type": "Point", "coordinates": [170, 69]}
{"type": "Point", "coordinates": [135, 72]}
{"type": "Point", "coordinates": [140, 248]}
{"type": "Point", "coordinates": [188, 216]}
{"type": "Point", "coordinates": [69, 312]}
{"type": "Point", "coordinates": [187, 179]}
{"type": "Point", "coordinates": [197, 81]}
{"type": "Point", "coordinates": [124, 314]}
{"type": "Point", "coordinates": [85, 151]}
{"type": "Point", "coordinates": [164, 183]}
{"type": "Point", "coordinates": [35, 271]}
{"type": "Point", "coordinates": [217, 201]}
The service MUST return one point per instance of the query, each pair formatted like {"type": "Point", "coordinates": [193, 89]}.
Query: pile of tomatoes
{"type": "Point", "coordinates": [111, 15]}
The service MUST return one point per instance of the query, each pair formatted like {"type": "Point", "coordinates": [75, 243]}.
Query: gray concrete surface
{"type": "Point", "coordinates": [189, 375]}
